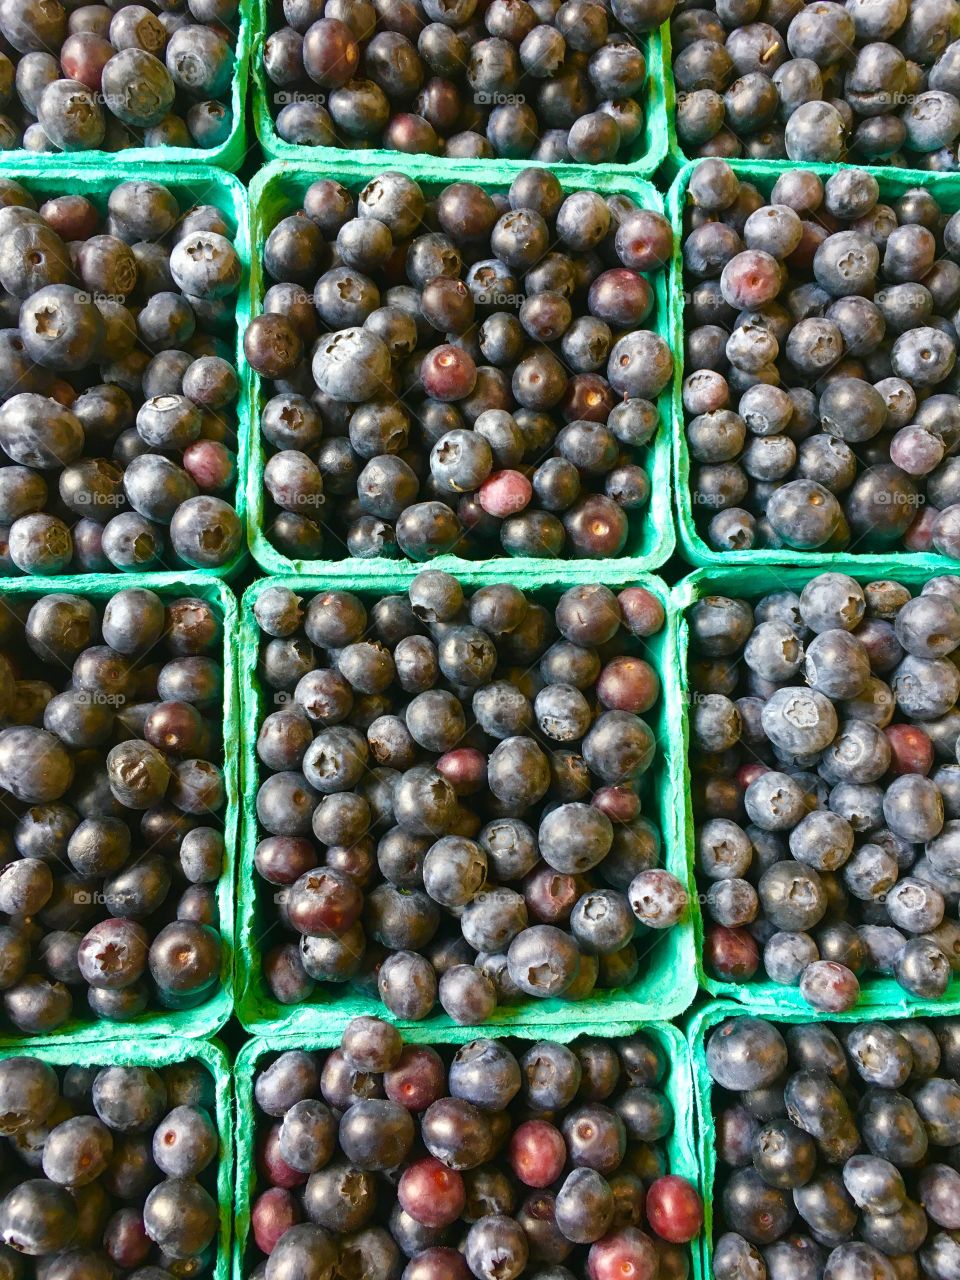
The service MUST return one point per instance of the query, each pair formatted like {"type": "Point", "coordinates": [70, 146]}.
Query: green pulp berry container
{"type": "Point", "coordinates": [878, 995]}
{"type": "Point", "coordinates": [678, 1088]}
{"type": "Point", "coordinates": [667, 983]}
{"type": "Point", "coordinates": [229, 154]}
{"type": "Point", "coordinates": [206, 1018]}
{"type": "Point", "coordinates": [192, 184]}
{"type": "Point", "coordinates": [646, 155]}
{"type": "Point", "coordinates": [699, 1025]}
{"type": "Point", "coordinates": [120, 1052]}
{"type": "Point", "coordinates": [277, 191]}
{"type": "Point", "coordinates": [693, 547]}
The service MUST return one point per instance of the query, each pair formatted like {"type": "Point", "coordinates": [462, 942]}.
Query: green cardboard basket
{"type": "Point", "coordinates": [678, 1088]}
{"type": "Point", "coordinates": [229, 155]}
{"type": "Point", "coordinates": [646, 156]}
{"type": "Point", "coordinates": [763, 174]}
{"type": "Point", "coordinates": [121, 1052]}
{"type": "Point", "coordinates": [48, 176]}
{"type": "Point", "coordinates": [277, 191]}
{"type": "Point", "coordinates": [699, 1024]}
{"type": "Point", "coordinates": [667, 984]}
{"type": "Point", "coordinates": [879, 996]}
{"type": "Point", "coordinates": [206, 1018]}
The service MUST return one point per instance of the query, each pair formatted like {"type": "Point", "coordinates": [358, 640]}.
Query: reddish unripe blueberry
{"type": "Point", "coordinates": [911, 750]}
{"type": "Point", "coordinates": [504, 493]}
{"type": "Point", "coordinates": [750, 279]}
{"type": "Point", "coordinates": [550, 895]}
{"type": "Point", "coordinates": [644, 240]}
{"type": "Point", "coordinates": [273, 1167]}
{"type": "Point", "coordinates": [916, 450]}
{"type": "Point", "coordinates": [730, 954]}
{"type": "Point", "coordinates": [465, 768]}
{"type": "Point", "coordinates": [448, 373]}
{"type": "Point", "coordinates": [748, 773]}
{"type": "Point", "coordinates": [628, 1254]}
{"type": "Point", "coordinates": [284, 859]}
{"type": "Point", "coordinates": [83, 56]}
{"type": "Point", "coordinates": [418, 1079]}
{"type": "Point", "coordinates": [324, 901]}
{"type": "Point", "coordinates": [643, 613]}
{"type": "Point", "coordinates": [211, 464]}
{"type": "Point", "coordinates": [125, 1239]}
{"type": "Point", "coordinates": [674, 1209]}
{"type": "Point", "coordinates": [919, 537]}
{"type": "Point", "coordinates": [628, 684]}
{"type": "Point", "coordinates": [829, 986]}
{"type": "Point", "coordinates": [273, 1214]}
{"type": "Point", "coordinates": [438, 1263]}
{"type": "Point", "coordinates": [620, 804]}
{"type": "Point", "coordinates": [537, 1153]}
{"type": "Point", "coordinates": [432, 1194]}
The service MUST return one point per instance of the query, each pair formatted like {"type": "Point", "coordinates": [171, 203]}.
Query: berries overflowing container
{"type": "Point", "coordinates": [81, 1126]}
{"type": "Point", "coordinates": [102, 895]}
{"type": "Point", "coordinates": [295, 716]}
{"type": "Point", "coordinates": [360, 445]}
{"type": "Point", "coordinates": [646, 1072]}
{"type": "Point", "coordinates": [881, 1095]}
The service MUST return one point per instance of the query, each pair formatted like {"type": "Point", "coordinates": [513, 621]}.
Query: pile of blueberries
{"type": "Point", "coordinates": [117, 384]}
{"type": "Point", "coordinates": [112, 808]}
{"type": "Point", "coordinates": [493, 1162]}
{"type": "Point", "coordinates": [107, 1170]}
{"type": "Point", "coordinates": [821, 398]}
{"type": "Point", "coordinates": [469, 372]}
{"type": "Point", "coordinates": [520, 79]}
{"type": "Point", "coordinates": [97, 77]}
{"type": "Point", "coordinates": [772, 79]}
{"type": "Point", "coordinates": [837, 1149]}
{"type": "Point", "coordinates": [450, 796]}
{"type": "Point", "coordinates": [825, 735]}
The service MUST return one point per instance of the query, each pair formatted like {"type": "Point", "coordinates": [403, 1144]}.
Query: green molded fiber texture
{"type": "Point", "coordinates": [678, 1088]}
{"type": "Point", "coordinates": [763, 174]}
{"type": "Point", "coordinates": [646, 156]}
{"type": "Point", "coordinates": [229, 155]}
{"type": "Point", "coordinates": [667, 983]}
{"type": "Point", "coordinates": [877, 994]}
{"type": "Point", "coordinates": [207, 1018]}
{"type": "Point", "coordinates": [699, 1024]}
{"type": "Point", "coordinates": [277, 191]}
{"type": "Point", "coordinates": [48, 176]}
{"type": "Point", "coordinates": [122, 1052]}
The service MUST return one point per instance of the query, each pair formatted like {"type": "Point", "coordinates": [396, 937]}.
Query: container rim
{"type": "Point", "coordinates": [699, 1023]}
{"type": "Point", "coordinates": [205, 1019]}
{"type": "Point", "coordinates": [649, 153]}
{"type": "Point", "coordinates": [678, 1087]}
{"type": "Point", "coordinates": [692, 546]}
{"type": "Point", "coordinates": [163, 1053]}
{"type": "Point", "coordinates": [667, 984]}
{"type": "Point", "coordinates": [652, 528]}
{"type": "Point", "coordinates": [227, 155]}
{"type": "Point", "coordinates": [879, 996]}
